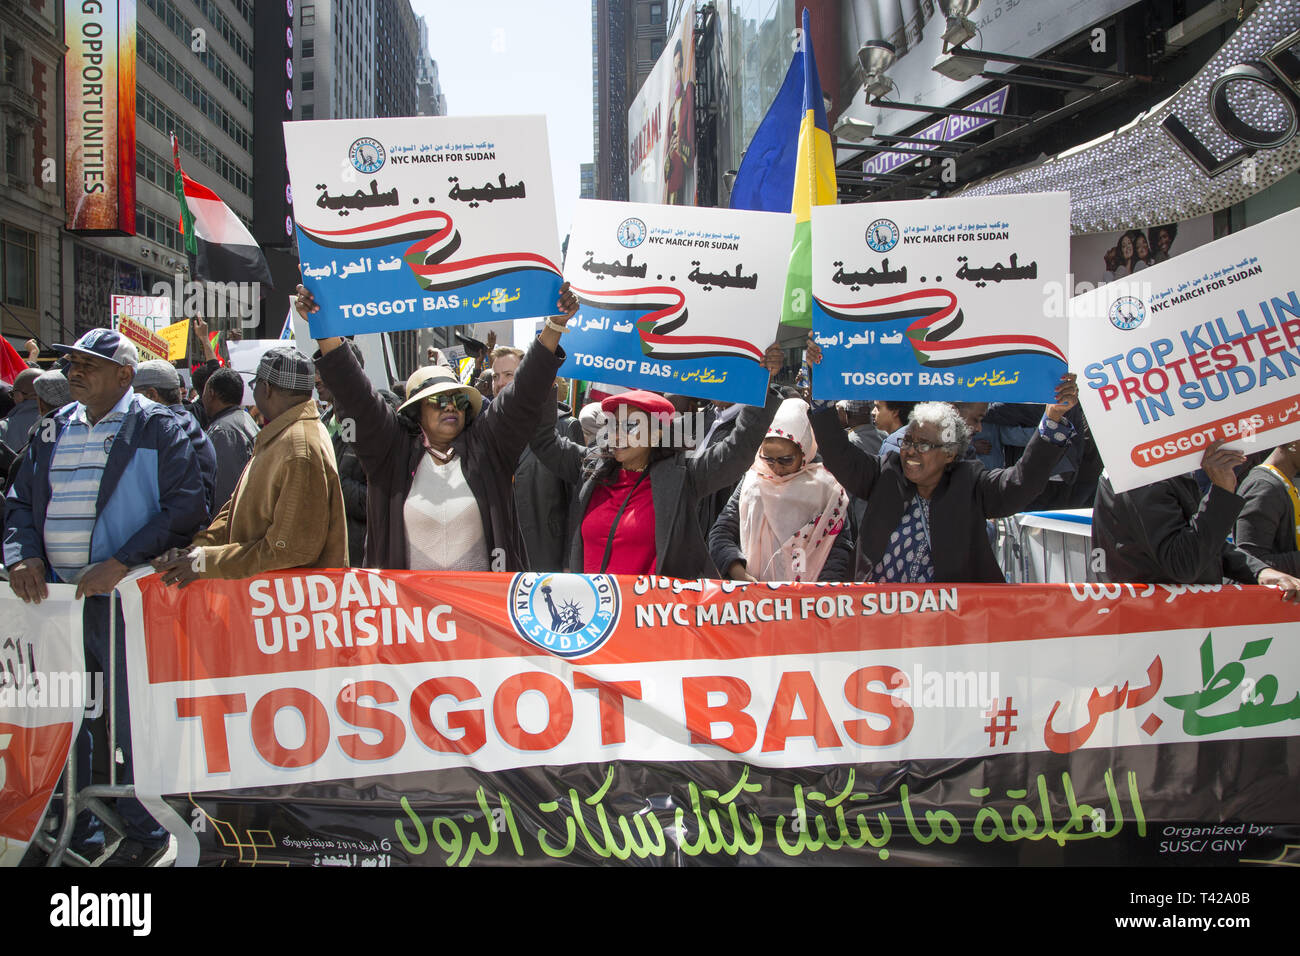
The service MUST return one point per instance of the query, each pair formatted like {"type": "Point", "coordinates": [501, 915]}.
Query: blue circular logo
{"type": "Point", "coordinates": [882, 235]}
{"type": "Point", "coordinates": [1127, 313]}
{"type": "Point", "coordinates": [367, 155]}
{"type": "Point", "coordinates": [631, 233]}
{"type": "Point", "coordinates": [569, 615]}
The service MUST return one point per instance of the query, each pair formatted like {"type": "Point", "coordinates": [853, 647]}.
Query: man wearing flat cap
{"type": "Point", "coordinates": [112, 484]}
{"type": "Point", "coordinates": [158, 381]}
{"type": "Point", "coordinates": [287, 507]}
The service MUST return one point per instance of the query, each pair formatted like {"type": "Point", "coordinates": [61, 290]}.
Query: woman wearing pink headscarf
{"type": "Point", "coordinates": [788, 518]}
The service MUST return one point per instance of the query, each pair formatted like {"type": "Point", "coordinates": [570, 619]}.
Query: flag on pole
{"type": "Point", "coordinates": [790, 166]}
{"type": "Point", "coordinates": [220, 247]}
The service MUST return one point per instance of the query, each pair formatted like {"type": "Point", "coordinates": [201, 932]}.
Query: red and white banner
{"type": "Point", "coordinates": [43, 692]}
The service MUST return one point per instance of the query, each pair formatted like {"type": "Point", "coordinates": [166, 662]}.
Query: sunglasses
{"type": "Point", "coordinates": [450, 400]}
{"type": "Point", "coordinates": [924, 447]}
{"type": "Point", "coordinates": [785, 461]}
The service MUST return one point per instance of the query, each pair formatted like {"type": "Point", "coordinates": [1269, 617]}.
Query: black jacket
{"type": "Point", "coordinates": [1266, 525]}
{"type": "Point", "coordinates": [542, 504]}
{"type": "Point", "coordinates": [1168, 533]}
{"type": "Point", "coordinates": [967, 494]}
{"type": "Point", "coordinates": [390, 446]}
{"type": "Point", "coordinates": [724, 543]}
{"type": "Point", "coordinates": [677, 484]}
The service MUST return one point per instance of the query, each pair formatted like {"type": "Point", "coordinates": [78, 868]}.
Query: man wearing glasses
{"type": "Point", "coordinates": [287, 508]}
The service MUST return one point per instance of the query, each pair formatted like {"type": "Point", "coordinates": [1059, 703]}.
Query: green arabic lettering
{"type": "Point", "coordinates": [865, 836]}
{"type": "Point", "coordinates": [508, 812]}
{"type": "Point", "coordinates": [607, 847]}
{"type": "Point", "coordinates": [738, 842]}
{"type": "Point", "coordinates": [1220, 683]}
{"type": "Point", "coordinates": [475, 843]}
{"type": "Point", "coordinates": [571, 832]}
{"type": "Point", "coordinates": [804, 841]}
{"type": "Point", "coordinates": [1138, 817]}
{"type": "Point", "coordinates": [935, 818]}
{"type": "Point", "coordinates": [417, 848]}
{"type": "Point", "coordinates": [984, 815]}
{"type": "Point", "coordinates": [451, 844]}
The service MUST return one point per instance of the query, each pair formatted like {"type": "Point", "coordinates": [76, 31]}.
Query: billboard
{"type": "Point", "coordinates": [661, 124]}
{"type": "Point", "coordinates": [99, 116]}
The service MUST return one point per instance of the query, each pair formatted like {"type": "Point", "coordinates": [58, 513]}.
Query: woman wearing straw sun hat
{"type": "Point", "coordinates": [439, 468]}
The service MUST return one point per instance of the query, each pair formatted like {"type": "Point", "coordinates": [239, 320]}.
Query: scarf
{"type": "Point", "coordinates": [788, 523]}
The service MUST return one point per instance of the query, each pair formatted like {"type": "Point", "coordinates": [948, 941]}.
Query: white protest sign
{"type": "Point", "coordinates": [676, 298]}
{"type": "Point", "coordinates": [1200, 348]}
{"type": "Point", "coordinates": [941, 300]}
{"type": "Point", "coordinates": [421, 222]}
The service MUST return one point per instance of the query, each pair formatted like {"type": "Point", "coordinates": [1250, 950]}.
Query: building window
{"type": "Point", "coordinates": [308, 15]}
{"type": "Point", "coordinates": [13, 70]}
{"type": "Point", "coordinates": [308, 49]}
{"type": "Point", "coordinates": [656, 47]}
{"type": "Point", "coordinates": [17, 267]}
{"type": "Point", "coordinates": [308, 112]}
{"type": "Point", "coordinates": [656, 13]}
{"type": "Point", "coordinates": [308, 81]}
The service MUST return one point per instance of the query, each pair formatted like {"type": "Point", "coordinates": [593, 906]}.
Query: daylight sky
{"type": "Point", "coordinates": [520, 56]}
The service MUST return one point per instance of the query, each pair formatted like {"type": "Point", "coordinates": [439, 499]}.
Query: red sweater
{"type": "Point", "coordinates": [634, 540]}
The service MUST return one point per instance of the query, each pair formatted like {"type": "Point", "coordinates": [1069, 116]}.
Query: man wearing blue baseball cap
{"type": "Point", "coordinates": [112, 484]}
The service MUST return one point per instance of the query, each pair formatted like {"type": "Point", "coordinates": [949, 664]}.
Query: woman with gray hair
{"type": "Point", "coordinates": [926, 505]}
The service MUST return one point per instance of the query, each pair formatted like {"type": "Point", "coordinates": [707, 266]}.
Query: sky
{"type": "Point", "coordinates": [520, 56]}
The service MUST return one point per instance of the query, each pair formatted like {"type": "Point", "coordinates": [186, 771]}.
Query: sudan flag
{"type": "Point", "coordinates": [220, 248]}
{"type": "Point", "coordinates": [790, 166]}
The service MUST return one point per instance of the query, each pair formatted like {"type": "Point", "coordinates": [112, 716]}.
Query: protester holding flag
{"type": "Point", "coordinates": [638, 499]}
{"type": "Point", "coordinates": [788, 518]}
{"type": "Point", "coordinates": [439, 469]}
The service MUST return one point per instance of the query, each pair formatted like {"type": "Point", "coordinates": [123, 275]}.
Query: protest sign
{"type": "Point", "coordinates": [177, 337]}
{"type": "Point", "coordinates": [421, 222]}
{"type": "Point", "coordinates": [44, 690]}
{"type": "Point", "coordinates": [676, 298]}
{"type": "Point", "coordinates": [1197, 349]}
{"type": "Point", "coordinates": [151, 311]}
{"type": "Point", "coordinates": [148, 344]}
{"type": "Point", "coordinates": [363, 718]}
{"type": "Point", "coordinates": [941, 300]}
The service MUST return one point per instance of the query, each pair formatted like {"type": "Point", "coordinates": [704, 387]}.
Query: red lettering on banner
{"type": "Point", "coordinates": [861, 697]}
{"type": "Point", "coordinates": [611, 694]}
{"type": "Point", "coordinates": [470, 721]}
{"type": "Point", "coordinates": [700, 715]}
{"type": "Point", "coordinates": [314, 716]}
{"type": "Point", "coordinates": [781, 724]}
{"type": "Point", "coordinates": [1291, 329]}
{"type": "Point", "coordinates": [349, 707]}
{"type": "Point", "coordinates": [212, 712]}
{"type": "Point", "coordinates": [559, 711]}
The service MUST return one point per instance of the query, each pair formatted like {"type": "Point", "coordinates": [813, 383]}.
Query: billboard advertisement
{"type": "Point", "coordinates": [99, 116]}
{"type": "Point", "coordinates": [661, 124]}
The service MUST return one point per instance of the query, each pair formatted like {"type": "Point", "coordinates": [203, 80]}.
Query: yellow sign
{"type": "Point", "coordinates": [177, 337]}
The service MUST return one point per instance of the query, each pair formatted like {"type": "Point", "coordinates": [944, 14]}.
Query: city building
{"type": "Point", "coordinates": [334, 60]}
{"type": "Point", "coordinates": [31, 202]}
{"type": "Point", "coordinates": [429, 98]}
{"type": "Point", "coordinates": [587, 181]}
{"type": "Point", "coordinates": [627, 38]}
{"type": "Point", "coordinates": [397, 52]}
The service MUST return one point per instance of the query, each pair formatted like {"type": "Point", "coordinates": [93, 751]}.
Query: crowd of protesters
{"type": "Point", "coordinates": [109, 466]}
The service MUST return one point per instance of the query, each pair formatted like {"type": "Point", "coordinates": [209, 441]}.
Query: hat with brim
{"type": "Point", "coordinates": [103, 344]}
{"type": "Point", "coordinates": [432, 380]}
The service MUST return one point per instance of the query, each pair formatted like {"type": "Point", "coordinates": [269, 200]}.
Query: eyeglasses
{"type": "Point", "coordinates": [450, 400]}
{"type": "Point", "coordinates": [924, 447]}
{"type": "Point", "coordinates": [785, 461]}
{"type": "Point", "coordinates": [628, 426]}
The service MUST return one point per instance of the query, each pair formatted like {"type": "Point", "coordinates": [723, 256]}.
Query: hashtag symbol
{"type": "Point", "coordinates": [1000, 722]}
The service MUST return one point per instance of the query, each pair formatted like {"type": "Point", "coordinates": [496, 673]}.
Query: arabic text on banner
{"type": "Point", "coordinates": [471, 700]}
{"type": "Point", "coordinates": [415, 223]}
{"type": "Point", "coordinates": [676, 298]}
{"type": "Point", "coordinates": [1197, 349]}
{"type": "Point", "coordinates": [44, 691]}
{"type": "Point", "coordinates": [941, 300]}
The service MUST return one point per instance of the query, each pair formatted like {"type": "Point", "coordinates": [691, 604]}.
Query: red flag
{"type": "Point", "coordinates": [11, 363]}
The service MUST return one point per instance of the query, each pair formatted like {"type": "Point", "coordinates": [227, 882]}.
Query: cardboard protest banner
{"type": "Point", "coordinates": [364, 718]}
{"type": "Point", "coordinates": [941, 300]}
{"type": "Point", "coordinates": [177, 337]}
{"type": "Point", "coordinates": [151, 311]}
{"type": "Point", "coordinates": [1200, 348]}
{"type": "Point", "coordinates": [148, 344]}
{"type": "Point", "coordinates": [422, 222]}
{"type": "Point", "coordinates": [676, 298]}
{"type": "Point", "coordinates": [44, 692]}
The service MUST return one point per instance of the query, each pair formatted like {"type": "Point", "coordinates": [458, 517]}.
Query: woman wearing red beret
{"type": "Point", "coordinates": [636, 510]}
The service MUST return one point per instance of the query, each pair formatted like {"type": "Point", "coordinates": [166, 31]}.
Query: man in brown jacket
{"type": "Point", "coordinates": [287, 508]}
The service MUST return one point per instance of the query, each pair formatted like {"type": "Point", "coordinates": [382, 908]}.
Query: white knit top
{"type": "Point", "coordinates": [444, 530]}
